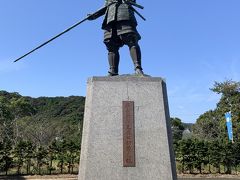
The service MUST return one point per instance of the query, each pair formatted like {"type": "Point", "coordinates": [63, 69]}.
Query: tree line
{"type": "Point", "coordinates": [27, 158]}
{"type": "Point", "coordinates": [201, 156]}
{"type": "Point", "coordinates": [43, 135]}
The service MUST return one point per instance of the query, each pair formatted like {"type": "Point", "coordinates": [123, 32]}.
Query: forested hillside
{"type": "Point", "coordinates": [33, 127]}
{"type": "Point", "coordinates": [40, 120]}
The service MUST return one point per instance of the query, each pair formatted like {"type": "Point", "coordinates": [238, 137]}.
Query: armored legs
{"type": "Point", "coordinates": [113, 59]}
{"type": "Point", "coordinates": [135, 53]}
{"type": "Point", "coordinates": [113, 45]}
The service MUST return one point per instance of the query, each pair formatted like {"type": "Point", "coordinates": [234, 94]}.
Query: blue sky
{"type": "Point", "coordinates": [190, 43]}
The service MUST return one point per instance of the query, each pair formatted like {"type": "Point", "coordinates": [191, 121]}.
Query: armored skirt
{"type": "Point", "coordinates": [119, 28]}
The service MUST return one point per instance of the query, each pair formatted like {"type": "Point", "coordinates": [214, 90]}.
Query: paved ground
{"type": "Point", "coordinates": [52, 177]}
{"type": "Point", "coordinates": [208, 177]}
{"type": "Point", "coordinates": [74, 177]}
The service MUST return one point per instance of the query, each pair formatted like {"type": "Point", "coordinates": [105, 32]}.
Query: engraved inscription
{"type": "Point", "coordinates": [128, 134]}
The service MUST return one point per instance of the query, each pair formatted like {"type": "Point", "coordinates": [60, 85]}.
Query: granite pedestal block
{"type": "Point", "coordinates": [102, 141]}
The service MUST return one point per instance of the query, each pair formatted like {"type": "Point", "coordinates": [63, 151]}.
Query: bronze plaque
{"type": "Point", "coordinates": [128, 134]}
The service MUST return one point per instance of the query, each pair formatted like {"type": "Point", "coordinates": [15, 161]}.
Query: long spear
{"type": "Point", "coordinates": [92, 16]}
{"type": "Point", "coordinates": [89, 17]}
{"type": "Point", "coordinates": [51, 39]}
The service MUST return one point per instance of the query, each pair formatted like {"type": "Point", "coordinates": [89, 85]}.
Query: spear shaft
{"type": "Point", "coordinates": [51, 39]}
{"type": "Point", "coordinates": [93, 16]}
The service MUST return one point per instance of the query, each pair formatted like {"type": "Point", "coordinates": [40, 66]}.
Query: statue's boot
{"type": "Point", "coordinates": [136, 57]}
{"type": "Point", "coordinates": [113, 59]}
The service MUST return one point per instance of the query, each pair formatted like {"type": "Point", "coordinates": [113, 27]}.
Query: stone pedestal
{"type": "Point", "coordinates": [102, 141]}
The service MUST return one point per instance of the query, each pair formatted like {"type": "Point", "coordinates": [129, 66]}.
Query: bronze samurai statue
{"type": "Point", "coordinates": [119, 27]}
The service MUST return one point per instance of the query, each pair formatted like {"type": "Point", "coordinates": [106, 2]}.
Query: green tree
{"type": "Point", "coordinates": [41, 157]}
{"type": "Point", "coordinates": [20, 108]}
{"type": "Point", "coordinates": [177, 129]}
{"type": "Point", "coordinates": [51, 156]}
{"type": "Point", "coordinates": [6, 160]}
{"type": "Point", "coordinates": [207, 126]}
{"type": "Point", "coordinates": [6, 131]}
{"type": "Point", "coordinates": [230, 101]}
{"type": "Point", "coordinates": [201, 152]}
{"type": "Point", "coordinates": [59, 147]}
{"type": "Point", "coordinates": [23, 153]}
{"type": "Point", "coordinates": [19, 155]}
{"type": "Point", "coordinates": [236, 155]}
{"type": "Point", "coordinates": [228, 157]}
{"type": "Point", "coordinates": [216, 154]}
{"type": "Point", "coordinates": [6, 118]}
{"type": "Point", "coordinates": [29, 154]}
{"type": "Point", "coordinates": [212, 124]}
{"type": "Point", "coordinates": [192, 153]}
{"type": "Point", "coordinates": [185, 154]}
{"type": "Point", "coordinates": [72, 153]}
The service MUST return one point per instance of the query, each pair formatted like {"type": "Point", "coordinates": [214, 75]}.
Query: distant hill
{"type": "Point", "coordinates": [44, 119]}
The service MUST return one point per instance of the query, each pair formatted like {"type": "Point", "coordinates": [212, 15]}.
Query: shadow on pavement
{"type": "Point", "coordinates": [12, 177]}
